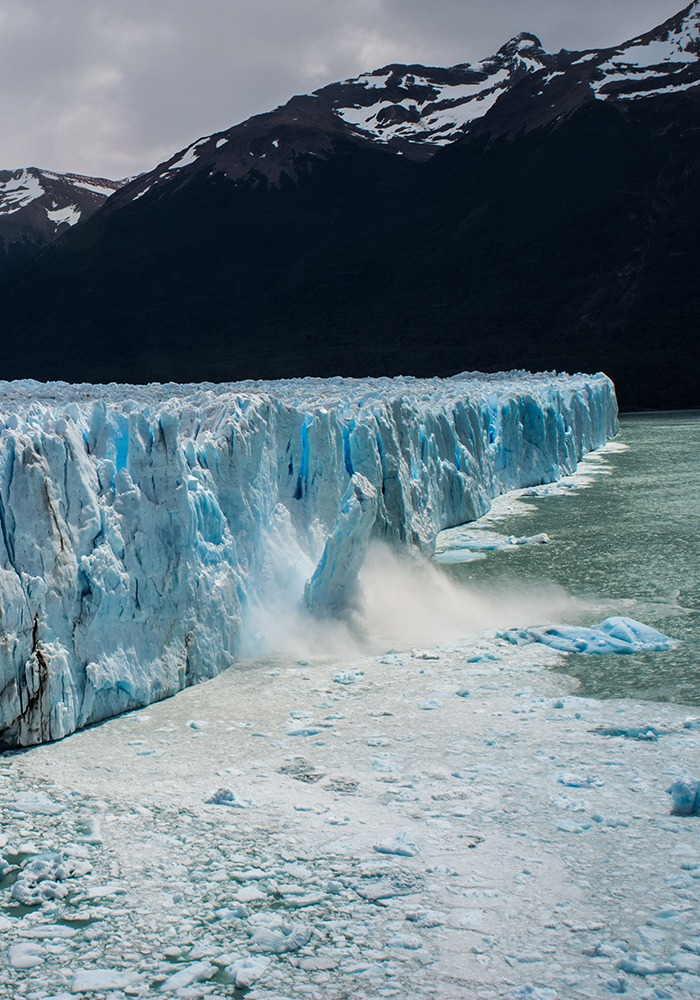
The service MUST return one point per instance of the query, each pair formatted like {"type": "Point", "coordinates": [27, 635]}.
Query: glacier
{"type": "Point", "coordinates": [141, 526]}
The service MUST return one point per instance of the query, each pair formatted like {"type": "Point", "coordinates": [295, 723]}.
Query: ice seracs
{"type": "Point", "coordinates": [141, 527]}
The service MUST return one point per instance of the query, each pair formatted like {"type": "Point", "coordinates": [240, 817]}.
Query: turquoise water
{"type": "Point", "coordinates": [631, 540]}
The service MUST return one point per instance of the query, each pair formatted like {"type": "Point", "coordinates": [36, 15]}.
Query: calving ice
{"type": "Point", "coordinates": [142, 526]}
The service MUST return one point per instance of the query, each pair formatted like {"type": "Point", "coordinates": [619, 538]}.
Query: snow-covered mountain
{"type": "Point", "coordinates": [533, 209]}
{"type": "Point", "coordinates": [37, 205]}
{"type": "Point", "coordinates": [414, 109]}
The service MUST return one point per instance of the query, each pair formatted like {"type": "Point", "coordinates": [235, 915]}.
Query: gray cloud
{"type": "Point", "coordinates": [111, 88]}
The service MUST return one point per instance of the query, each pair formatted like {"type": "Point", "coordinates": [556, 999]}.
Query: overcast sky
{"type": "Point", "coordinates": [112, 87]}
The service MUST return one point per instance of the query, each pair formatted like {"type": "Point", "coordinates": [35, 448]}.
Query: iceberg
{"type": "Point", "coordinates": [140, 526]}
{"type": "Point", "coordinates": [614, 635]}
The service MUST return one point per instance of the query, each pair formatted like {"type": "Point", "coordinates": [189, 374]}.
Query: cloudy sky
{"type": "Point", "coordinates": [112, 87]}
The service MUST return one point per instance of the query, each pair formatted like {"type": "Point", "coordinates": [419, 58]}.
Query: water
{"type": "Point", "coordinates": [629, 544]}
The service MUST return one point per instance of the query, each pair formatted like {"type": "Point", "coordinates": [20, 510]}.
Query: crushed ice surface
{"type": "Point", "coordinates": [498, 846]}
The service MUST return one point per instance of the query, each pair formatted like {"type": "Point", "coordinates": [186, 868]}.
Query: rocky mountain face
{"type": "Point", "coordinates": [532, 210]}
{"type": "Point", "coordinates": [38, 205]}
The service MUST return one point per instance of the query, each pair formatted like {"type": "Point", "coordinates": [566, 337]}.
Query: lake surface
{"type": "Point", "coordinates": [628, 543]}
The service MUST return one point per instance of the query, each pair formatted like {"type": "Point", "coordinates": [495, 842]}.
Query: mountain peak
{"type": "Point", "coordinates": [523, 44]}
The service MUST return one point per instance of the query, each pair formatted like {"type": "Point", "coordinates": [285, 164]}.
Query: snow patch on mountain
{"type": "Point", "coordinates": [18, 188]}
{"type": "Point", "coordinates": [433, 105]}
{"type": "Point", "coordinates": [669, 53]}
{"type": "Point", "coordinates": [70, 215]}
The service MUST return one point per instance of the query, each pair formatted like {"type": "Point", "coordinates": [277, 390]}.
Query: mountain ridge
{"type": "Point", "coordinates": [558, 229]}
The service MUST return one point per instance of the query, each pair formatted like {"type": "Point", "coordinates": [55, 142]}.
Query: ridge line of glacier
{"type": "Point", "coordinates": [140, 526]}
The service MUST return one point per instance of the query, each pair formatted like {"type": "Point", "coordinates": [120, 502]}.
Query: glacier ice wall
{"type": "Point", "coordinates": [139, 524]}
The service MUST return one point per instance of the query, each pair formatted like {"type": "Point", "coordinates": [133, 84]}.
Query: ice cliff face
{"type": "Point", "coordinates": [140, 525]}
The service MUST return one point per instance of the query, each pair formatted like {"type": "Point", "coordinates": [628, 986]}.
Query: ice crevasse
{"type": "Point", "coordinates": [140, 524]}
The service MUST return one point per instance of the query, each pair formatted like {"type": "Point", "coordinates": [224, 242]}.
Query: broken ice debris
{"type": "Point", "coordinates": [225, 797]}
{"type": "Point", "coordinates": [403, 845]}
{"type": "Point", "coordinates": [685, 793]}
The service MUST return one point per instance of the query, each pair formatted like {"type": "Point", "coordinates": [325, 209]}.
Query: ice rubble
{"type": "Point", "coordinates": [140, 525]}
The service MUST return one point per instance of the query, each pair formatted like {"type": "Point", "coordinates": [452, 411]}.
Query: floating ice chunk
{"type": "Point", "coordinates": [648, 734]}
{"type": "Point", "coordinates": [235, 912]}
{"type": "Point", "coordinates": [406, 942]}
{"type": "Point", "coordinates": [635, 633]}
{"type": "Point", "coordinates": [392, 660]}
{"type": "Point", "coordinates": [103, 980]}
{"type": "Point", "coordinates": [93, 832]}
{"type": "Point", "coordinates": [533, 993]}
{"type": "Point", "coordinates": [49, 931]}
{"type": "Point", "coordinates": [614, 635]}
{"type": "Point", "coordinates": [41, 880]}
{"type": "Point", "coordinates": [384, 762]}
{"type": "Point", "coordinates": [279, 937]}
{"type": "Point", "coordinates": [26, 956]}
{"type": "Point", "coordinates": [107, 891]}
{"type": "Point", "coordinates": [315, 964]}
{"type": "Point", "coordinates": [303, 731]}
{"type": "Point", "coordinates": [474, 545]}
{"type": "Point", "coordinates": [688, 963]}
{"type": "Point", "coordinates": [243, 972]}
{"type": "Point", "coordinates": [456, 556]}
{"type": "Point", "coordinates": [403, 845]}
{"type": "Point", "coordinates": [248, 894]}
{"type": "Point", "coordinates": [540, 539]}
{"type": "Point", "coordinates": [35, 803]}
{"type": "Point", "coordinates": [248, 874]}
{"type": "Point", "coordinates": [225, 797]}
{"type": "Point", "coordinates": [570, 826]}
{"type": "Point", "coordinates": [685, 793]}
{"type": "Point", "coordinates": [347, 677]}
{"type": "Point", "coordinates": [578, 780]}
{"type": "Point", "coordinates": [427, 918]}
{"type": "Point", "coordinates": [641, 964]}
{"type": "Point", "coordinates": [198, 973]}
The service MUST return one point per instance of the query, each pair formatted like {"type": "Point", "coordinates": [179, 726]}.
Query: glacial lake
{"type": "Point", "coordinates": [628, 543]}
